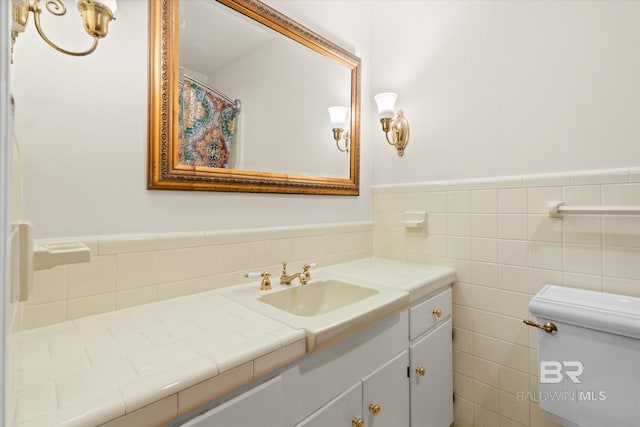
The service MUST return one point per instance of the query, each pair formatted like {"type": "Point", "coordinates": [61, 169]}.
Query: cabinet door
{"type": "Point", "coordinates": [340, 412]}
{"type": "Point", "coordinates": [432, 393]}
{"type": "Point", "coordinates": [388, 388]}
{"type": "Point", "coordinates": [260, 406]}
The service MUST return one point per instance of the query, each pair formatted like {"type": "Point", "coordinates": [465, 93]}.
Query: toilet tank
{"type": "Point", "coordinates": [589, 370]}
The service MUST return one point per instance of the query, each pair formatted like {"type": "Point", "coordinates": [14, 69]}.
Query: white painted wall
{"type": "Point", "coordinates": [81, 123]}
{"type": "Point", "coordinates": [508, 87]}
{"type": "Point", "coordinates": [489, 87]}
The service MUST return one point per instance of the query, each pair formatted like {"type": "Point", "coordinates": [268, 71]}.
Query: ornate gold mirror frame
{"type": "Point", "coordinates": [165, 173]}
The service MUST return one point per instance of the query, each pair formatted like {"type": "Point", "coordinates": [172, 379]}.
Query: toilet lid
{"type": "Point", "coordinates": [617, 314]}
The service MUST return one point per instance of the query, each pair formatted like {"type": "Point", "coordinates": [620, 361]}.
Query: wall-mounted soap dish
{"type": "Point", "coordinates": [41, 256]}
{"type": "Point", "coordinates": [50, 254]}
{"type": "Point", "coordinates": [415, 220]}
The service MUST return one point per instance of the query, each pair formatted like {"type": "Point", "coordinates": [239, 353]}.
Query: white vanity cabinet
{"type": "Point", "coordinates": [412, 388]}
{"type": "Point", "coordinates": [341, 411]}
{"type": "Point", "coordinates": [379, 400]}
{"type": "Point", "coordinates": [385, 394]}
{"type": "Point", "coordinates": [431, 379]}
{"type": "Point", "coordinates": [375, 359]}
{"type": "Point", "coordinates": [431, 362]}
{"type": "Point", "coordinates": [259, 406]}
{"type": "Point", "coordinates": [396, 372]}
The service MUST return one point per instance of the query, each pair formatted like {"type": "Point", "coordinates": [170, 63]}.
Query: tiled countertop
{"type": "Point", "coordinates": [148, 364]}
{"type": "Point", "coordinates": [184, 352]}
{"type": "Point", "coordinates": [418, 280]}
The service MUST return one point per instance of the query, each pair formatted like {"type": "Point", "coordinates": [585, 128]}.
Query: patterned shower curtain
{"type": "Point", "coordinates": [206, 127]}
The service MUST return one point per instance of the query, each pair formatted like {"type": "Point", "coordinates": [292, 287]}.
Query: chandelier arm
{"type": "Point", "coordinates": [36, 19]}
{"type": "Point", "coordinates": [55, 7]}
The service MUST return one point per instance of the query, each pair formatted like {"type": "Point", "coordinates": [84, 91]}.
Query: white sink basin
{"type": "Point", "coordinates": [317, 297]}
{"type": "Point", "coordinates": [329, 308]}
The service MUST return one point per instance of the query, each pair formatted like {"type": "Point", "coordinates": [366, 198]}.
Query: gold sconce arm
{"type": "Point", "coordinates": [95, 15]}
{"type": "Point", "coordinates": [399, 130]}
{"type": "Point", "coordinates": [338, 134]}
{"type": "Point", "coordinates": [35, 8]}
{"type": "Point", "coordinates": [339, 122]}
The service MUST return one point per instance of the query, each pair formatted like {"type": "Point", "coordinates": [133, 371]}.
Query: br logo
{"type": "Point", "coordinates": [551, 371]}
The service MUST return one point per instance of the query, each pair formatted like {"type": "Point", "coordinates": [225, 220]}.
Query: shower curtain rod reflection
{"type": "Point", "coordinates": [235, 102]}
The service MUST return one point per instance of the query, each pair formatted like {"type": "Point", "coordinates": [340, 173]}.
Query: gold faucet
{"type": "Point", "coordinates": [265, 283]}
{"type": "Point", "coordinates": [285, 279]}
{"type": "Point", "coordinates": [305, 276]}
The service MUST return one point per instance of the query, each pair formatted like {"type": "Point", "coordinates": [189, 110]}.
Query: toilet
{"type": "Point", "coordinates": [589, 368]}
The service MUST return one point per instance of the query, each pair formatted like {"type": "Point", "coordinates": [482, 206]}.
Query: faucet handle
{"type": "Point", "coordinates": [306, 272]}
{"type": "Point", "coordinates": [252, 275]}
{"type": "Point", "coordinates": [265, 284]}
{"type": "Point", "coordinates": [309, 266]}
{"type": "Point", "coordinates": [306, 269]}
{"type": "Point", "coordinates": [284, 267]}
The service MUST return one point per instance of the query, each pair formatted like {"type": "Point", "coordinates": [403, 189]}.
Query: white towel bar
{"type": "Point", "coordinates": [557, 209]}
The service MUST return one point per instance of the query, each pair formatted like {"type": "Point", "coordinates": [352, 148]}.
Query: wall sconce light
{"type": "Point", "coordinates": [96, 15]}
{"type": "Point", "coordinates": [398, 127]}
{"type": "Point", "coordinates": [338, 117]}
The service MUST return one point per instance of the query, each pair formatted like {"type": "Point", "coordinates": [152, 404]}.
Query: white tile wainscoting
{"type": "Point", "coordinates": [495, 232]}
{"type": "Point", "coordinates": [497, 235]}
{"type": "Point", "coordinates": [129, 270]}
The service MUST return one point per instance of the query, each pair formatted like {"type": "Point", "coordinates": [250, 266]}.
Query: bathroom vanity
{"type": "Point", "coordinates": [396, 372]}
{"type": "Point", "coordinates": [218, 359]}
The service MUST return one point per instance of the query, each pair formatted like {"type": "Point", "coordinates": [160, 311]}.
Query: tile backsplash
{"type": "Point", "coordinates": [498, 236]}
{"type": "Point", "coordinates": [130, 270]}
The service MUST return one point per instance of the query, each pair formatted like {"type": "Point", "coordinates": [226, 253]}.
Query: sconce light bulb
{"type": "Point", "coordinates": [338, 116]}
{"type": "Point", "coordinates": [112, 5]}
{"type": "Point", "coordinates": [386, 102]}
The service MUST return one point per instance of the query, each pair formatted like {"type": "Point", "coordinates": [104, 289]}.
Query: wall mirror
{"type": "Point", "coordinates": [238, 101]}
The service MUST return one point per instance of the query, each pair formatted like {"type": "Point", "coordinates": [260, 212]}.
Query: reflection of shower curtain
{"type": "Point", "coordinates": [206, 127]}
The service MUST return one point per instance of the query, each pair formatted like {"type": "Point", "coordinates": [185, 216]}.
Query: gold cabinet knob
{"type": "Point", "coordinates": [375, 409]}
{"type": "Point", "coordinates": [357, 422]}
{"type": "Point", "coordinates": [437, 312]}
{"type": "Point", "coordinates": [421, 371]}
